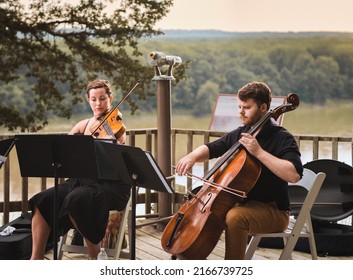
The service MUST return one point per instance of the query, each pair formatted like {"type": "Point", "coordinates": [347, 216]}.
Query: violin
{"type": "Point", "coordinates": [195, 229]}
{"type": "Point", "coordinates": [109, 127]}
{"type": "Point", "coordinates": [111, 122]}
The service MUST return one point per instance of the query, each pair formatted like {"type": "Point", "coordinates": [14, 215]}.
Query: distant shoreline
{"type": "Point", "coordinates": [212, 33]}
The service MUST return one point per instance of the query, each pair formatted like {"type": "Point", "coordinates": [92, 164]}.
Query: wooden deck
{"type": "Point", "coordinates": [148, 247]}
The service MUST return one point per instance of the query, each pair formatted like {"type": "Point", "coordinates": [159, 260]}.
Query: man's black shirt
{"type": "Point", "coordinates": [277, 141]}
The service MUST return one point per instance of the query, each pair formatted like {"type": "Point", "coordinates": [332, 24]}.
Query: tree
{"type": "Point", "coordinates": [205, 99]}
{"type": "Point", "coordinates": [58, 46]}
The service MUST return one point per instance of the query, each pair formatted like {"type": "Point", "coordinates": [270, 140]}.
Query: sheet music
{"type": "Point", "coordinates": [5, 148]}
{"type": "Point", "coordinates": [158, 172]}
{"type": "Point", "coordinates": [2, 160]}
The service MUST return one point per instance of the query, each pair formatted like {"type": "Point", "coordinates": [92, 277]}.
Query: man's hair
{"type": "Point", "coordinates": [99, 84]}
{"type": "Point", "coordinates": [258, 91]}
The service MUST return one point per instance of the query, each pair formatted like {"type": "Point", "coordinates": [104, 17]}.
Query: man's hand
{"type": "Point", "coordinates": [184, 164]}
{"type": "Point", "coordinates": [250, 143]}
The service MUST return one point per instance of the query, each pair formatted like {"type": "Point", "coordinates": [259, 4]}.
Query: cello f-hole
{"type": "Point", "coordinates": [177, 222]}
{"type": "Point", "coordinates": [205, 203]}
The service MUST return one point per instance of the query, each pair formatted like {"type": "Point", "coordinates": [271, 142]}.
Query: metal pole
{"type": "Point", "coordinates": [164, 140]}
{"type": "Point", "coordinates": [158, 59]}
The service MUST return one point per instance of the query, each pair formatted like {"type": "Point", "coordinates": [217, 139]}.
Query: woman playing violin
{"type": "Point", "coordinates": [99, 96]}
{"type": "Point", "coordinates": [84, 204]}
{"type": "Point", "coordinates": [266, 208]}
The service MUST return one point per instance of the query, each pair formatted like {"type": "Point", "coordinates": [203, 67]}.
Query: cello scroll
{"type": "Point", "coordinates": [292, 103]}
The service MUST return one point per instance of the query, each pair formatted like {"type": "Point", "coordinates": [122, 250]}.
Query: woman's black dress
{"type": "Point", "coordinates": [88, 202]}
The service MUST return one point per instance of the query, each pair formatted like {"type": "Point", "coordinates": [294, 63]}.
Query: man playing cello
{"type": "Point", "coordinates": [267, 206]}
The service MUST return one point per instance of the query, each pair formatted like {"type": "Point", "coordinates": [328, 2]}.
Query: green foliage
{"type": "Point", "coordinates": [317, 67]}
{"type": "Point", "coordinates": [51, 49]}
{"type": "Point", "coordinates": [205, 98]}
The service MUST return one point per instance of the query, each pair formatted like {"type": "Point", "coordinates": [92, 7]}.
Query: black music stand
{"type": "Point", "coordinates": [136, 168]}
{"type": "Point", "coordinates": [5, 148]}
{"type": "Point", "coordinates": [60, 156]}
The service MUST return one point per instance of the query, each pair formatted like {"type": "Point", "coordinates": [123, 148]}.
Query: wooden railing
{"type": "Point", "coordinates": [183, 142]}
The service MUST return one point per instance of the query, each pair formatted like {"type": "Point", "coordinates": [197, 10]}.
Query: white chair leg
{"type": "Point", "coordinates": [115, 253]}
{"type": "Point", "coordinates": [286, 254]}
{"type": "Point", "coordinates": [252, 246]}
{"type": "Point", "coordinates": [118, 253]}
{"type": "Point", "coordinates": [311, 239]}
{"type": "Point", "coordinates": [61, 242]}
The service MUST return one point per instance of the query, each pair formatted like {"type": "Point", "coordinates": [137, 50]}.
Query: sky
{"type": "Point", "coordinates": [261, 15]}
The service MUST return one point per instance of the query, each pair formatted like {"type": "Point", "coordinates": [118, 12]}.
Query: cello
{"type": "Point", "coordinates": [196, 227]}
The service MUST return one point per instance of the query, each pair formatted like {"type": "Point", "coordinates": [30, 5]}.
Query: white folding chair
{"type": "Point", "coordinates": [300, 226]}
{"type": "Point", "coordinates": [116, 253]}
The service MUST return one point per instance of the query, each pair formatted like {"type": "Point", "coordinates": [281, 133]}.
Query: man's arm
{"type": "Point", "coordinates": [282, 168]}
{"type": "Point", "coordinates": [200, 154]}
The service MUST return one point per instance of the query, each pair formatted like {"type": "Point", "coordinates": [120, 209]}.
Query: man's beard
{"type": "Point", "coordinates": [251, 121]}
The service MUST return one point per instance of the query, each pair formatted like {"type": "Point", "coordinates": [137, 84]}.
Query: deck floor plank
{"type": "Point", "coordinates": [148, 247]}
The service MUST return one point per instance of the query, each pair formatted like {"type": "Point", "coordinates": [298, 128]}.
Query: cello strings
{"type": "Point", "coordinates": [218, 186]}
{"type": "Point", "coordinates": [235, 192]}
{"type": "Point", "coordinates": [195, 197]}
